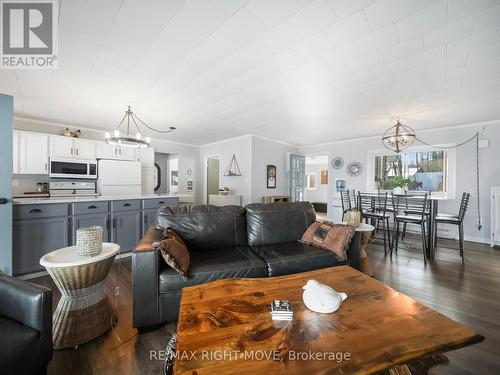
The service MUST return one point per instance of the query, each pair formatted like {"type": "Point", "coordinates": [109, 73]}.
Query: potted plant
{"type": "Point", "coordinates": [399, 184]}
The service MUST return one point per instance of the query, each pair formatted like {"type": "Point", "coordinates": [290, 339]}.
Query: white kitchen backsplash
{"type": "Point", "coordinates": [26, 183]}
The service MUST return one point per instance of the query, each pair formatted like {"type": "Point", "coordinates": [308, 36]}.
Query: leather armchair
{"type": "Point", "coordinates": [25, 327]}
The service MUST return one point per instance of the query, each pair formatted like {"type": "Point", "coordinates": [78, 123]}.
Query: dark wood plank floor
{"type": "Point", "coordinates": [467, 293]}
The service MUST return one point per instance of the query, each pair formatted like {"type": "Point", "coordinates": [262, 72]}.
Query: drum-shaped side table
{"type": "Point", "coordinates": [366, 231]}
{"type": "Point", "coordinates": [84, 311]}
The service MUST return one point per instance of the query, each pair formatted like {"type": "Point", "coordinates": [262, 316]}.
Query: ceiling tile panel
{"type": "Point", "coordinates": [313, 18]}
{"type": "Point", "coordinates": [386, 12]}
{"type": "Point", "coordinates": [425, 21]}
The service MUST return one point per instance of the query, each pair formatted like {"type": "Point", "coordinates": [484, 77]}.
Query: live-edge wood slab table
{"type": "Point", "coordinates": [225, 327]}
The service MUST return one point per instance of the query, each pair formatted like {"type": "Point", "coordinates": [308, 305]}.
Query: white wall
{"type": "Point", "coordinates": [357, 150]}
{"type": "Point", "coordinates": [266, 151]}
{"type": "Point", "coordinates": [320, 193]}
{"type": "Point", "coordinates": [239, 185]}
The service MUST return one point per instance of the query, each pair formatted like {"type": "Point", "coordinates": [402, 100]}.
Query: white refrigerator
{"type": "Point", "coordinates": [119, 178]}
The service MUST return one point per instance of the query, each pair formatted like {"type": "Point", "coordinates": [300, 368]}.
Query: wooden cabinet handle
{"type": "Point", "coordinates": [35, 210]}
{"type": "Point", "coordinates": [126, 205]}
{"type": "Point", "coordinates": [91, 207]}
{"type": "Point", "coordinates": [161, 202]}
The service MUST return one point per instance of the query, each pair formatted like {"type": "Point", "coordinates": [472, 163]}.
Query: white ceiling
{"type": "Point", "coordinates": [300, 71]}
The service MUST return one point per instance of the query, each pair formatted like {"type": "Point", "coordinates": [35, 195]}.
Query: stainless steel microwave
{"type": "Point", "coordinates": [73, 168]}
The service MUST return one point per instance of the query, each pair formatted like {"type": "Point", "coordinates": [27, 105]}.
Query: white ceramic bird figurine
{"type": "Point", "coordinates": [321, 298]}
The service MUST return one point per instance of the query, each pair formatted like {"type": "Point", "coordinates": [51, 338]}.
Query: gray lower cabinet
{"type": "Point", "coordinates": [90, 220]}
{"type": "Point", "coordinates": [148, 219]}
{"type": "Point", "coordinates": [126, 229]}
{"type": "Point", "coordinates": [33, 238]}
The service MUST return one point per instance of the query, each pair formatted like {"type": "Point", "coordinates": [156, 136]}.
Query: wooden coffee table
{"type": "Point", "coordinates": [225, 327]}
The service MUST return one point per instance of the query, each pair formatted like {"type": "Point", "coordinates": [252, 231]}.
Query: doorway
{"type": "Point", "coordinates": [316, 169]}
{"type": "Point", "coordinates": [213, 173]}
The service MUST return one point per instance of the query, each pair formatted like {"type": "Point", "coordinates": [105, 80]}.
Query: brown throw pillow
{"type": "Point", "coordinates": [333, 237]}
{"type": "Point", "coordinates": [174, 251]}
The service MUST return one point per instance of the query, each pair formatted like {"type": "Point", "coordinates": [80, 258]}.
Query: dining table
{"type": "Point", "coordinates": [434, 200]}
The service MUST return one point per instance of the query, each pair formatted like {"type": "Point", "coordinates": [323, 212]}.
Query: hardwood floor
{"type": "Point", "coordinates": [467, 293]}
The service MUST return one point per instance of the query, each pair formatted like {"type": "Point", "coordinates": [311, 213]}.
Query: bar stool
{"type": "Point", "coordinates": [455, 220]}
{"type": "Point", "coordinates": [416, 194]}
{"type": "Point", "coordinates": [373, 206]}
{"type": "Point", "coordinates": [346, 202]}
{"type": "Point", "coordinates": [410, 209]}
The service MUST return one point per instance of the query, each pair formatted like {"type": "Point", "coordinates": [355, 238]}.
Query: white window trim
{"type": "Point", "coordinates": [451, 166]}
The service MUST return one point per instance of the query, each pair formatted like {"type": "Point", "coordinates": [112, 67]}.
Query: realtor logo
{"type": "Point", "coordinates": [29, 38]}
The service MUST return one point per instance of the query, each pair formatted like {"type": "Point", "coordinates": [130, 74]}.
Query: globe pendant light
{"type": "Point", "coordinates": [131, 140]}
{"type": "Point", "coordinates": [398, 137]}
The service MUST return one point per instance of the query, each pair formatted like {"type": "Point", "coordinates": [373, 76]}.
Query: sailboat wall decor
{"type": "Point", "coordinates": [233, 169]}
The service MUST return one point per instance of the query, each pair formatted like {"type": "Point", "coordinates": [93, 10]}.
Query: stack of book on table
{"type": "Point", "coordinates": [281, 310]}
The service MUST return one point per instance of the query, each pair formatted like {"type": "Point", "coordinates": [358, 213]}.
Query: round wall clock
{"type": "Point", "coordinates": [189, 172]}
{"type": "Point", "coordinates": [354, 168]}
{"type": "Point", "coordinates": [337, 163]}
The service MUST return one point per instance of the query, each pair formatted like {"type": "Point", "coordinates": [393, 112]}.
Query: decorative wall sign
{"type": "Point", "coordinates": [354, 168]}
{"type": "Point", "coordinates": [233, 169]}
{"type": "Point", "coordinates": [324, 177]}
{"type": "Point", "coordinates": [271, 176]}
{"type": "Point", "coordinates": [174, 178]}
{"type": "Point", "coordinates": [337, 163]}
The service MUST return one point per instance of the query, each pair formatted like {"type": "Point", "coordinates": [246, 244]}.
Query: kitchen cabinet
{"type": "Point", "coordinates": [126, 224]}
{"type": "Point", "coordinates": [126, 229]}
{"type": "Point", "coordinates": [107, 151]}
{"type": "Point", "coordinates": [36, 231]}
{"type": "Point", "coordinates": [88, 214]}
{"type": "Point", "coordinates": [147, 157]}
{"type": "Point", "coordinates": [15, 156]}
{"type": "Point", "coordinates": [148, 219]}
{"type": "Point", "coordinates": [90, 220]}
{"type": "Point", "coordinates": [68, 147]}
{"type": "Point", "coordinates": [41, 228]}
{"type": "Point", "coordinates": [150, 208]}
{"type": "Point", "coordinates": [33, 153]}
{"type": "Point", "coordinates": [85, 148]}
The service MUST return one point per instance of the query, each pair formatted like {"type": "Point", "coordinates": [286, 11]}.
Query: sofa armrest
{"type": "Point", "coordinates": [354, 252]}
{"type": "Point", "coordinates": [145, 271]}
{"type": "Point", "coordinates": [27, 303]}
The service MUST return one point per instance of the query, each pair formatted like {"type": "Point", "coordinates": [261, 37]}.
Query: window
{"type": "Point", "coordinates": [423, 170]}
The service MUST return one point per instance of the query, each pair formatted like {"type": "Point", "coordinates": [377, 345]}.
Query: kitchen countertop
{"type": "Point", "coordinates": [17, 201]}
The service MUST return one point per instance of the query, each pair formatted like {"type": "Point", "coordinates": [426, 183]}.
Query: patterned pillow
{"type": "Point", "coordinates": [174, 252]}
{"type": "Point", "coordinates": [328, 236]}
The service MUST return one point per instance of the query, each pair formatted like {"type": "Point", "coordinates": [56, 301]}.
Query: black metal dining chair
{"type": "Point", "coordinates": [455, 220]}
{"type": "Point", "coordinates": [354, 200]}
{"type": "Point", "coordinates": [416, 194]}
{"type": "Point", "coordinates": [346, 202]}
{"type": "Point", "coordinates": [372, 206]}
{"type": "Point", "coordinates": [410, 209]}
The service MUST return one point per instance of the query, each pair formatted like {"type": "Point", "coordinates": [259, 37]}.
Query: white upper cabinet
{"type": "Point", "coordinates": [128, 153]}
{"type": "Point", "coordinates": [61, 147]}
{"type": "Point", "coordinates": [147, 157]}
{"type": "Point", "coordinates": [68, 147]}
{"type": "Point", "coordinates": [33, 153]}
{"type": "Point", "coordinates": [107, 151]}
{"type": "Point", "coordinates": [15, 156]}
{"type": "Point", "coordinates": [85, 148]}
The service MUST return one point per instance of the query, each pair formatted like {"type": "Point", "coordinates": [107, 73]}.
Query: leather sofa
{"type": "Point", "coordinates": [260, 240]}
{"type": "Point", "coordinates": [25, 327]}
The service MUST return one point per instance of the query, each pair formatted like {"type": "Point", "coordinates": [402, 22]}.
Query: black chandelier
{"type": "Point", "coordinates": [129, 140]}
